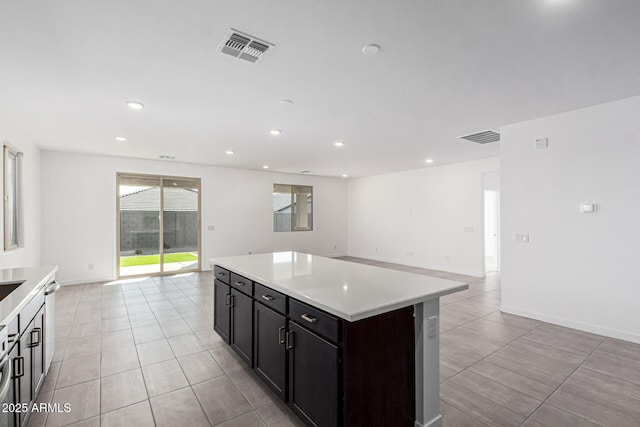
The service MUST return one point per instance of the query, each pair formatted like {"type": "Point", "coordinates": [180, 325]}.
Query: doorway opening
{"type": "Point", "coordinates": [491, 230]}
{"type": "Point", "coordinates": [158, 225]}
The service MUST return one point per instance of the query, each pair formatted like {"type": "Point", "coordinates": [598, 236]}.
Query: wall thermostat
{"type": "Point", "coordinates": [587, 207]}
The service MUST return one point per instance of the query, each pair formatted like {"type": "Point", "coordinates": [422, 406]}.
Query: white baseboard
{"type": "Point", "coordinates": [436, 422]}
{"type": "Point", "coordinates": [574, 324]}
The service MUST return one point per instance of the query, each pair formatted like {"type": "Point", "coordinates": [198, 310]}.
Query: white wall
{"type": "Point", "coordinates": [579, 270]}
{"type": "Point", "coordinates": [431, 217]}
{"type": "Point", "coordinates": [79, 212]}
{"type": "Point", "coordinates": [28, 254]}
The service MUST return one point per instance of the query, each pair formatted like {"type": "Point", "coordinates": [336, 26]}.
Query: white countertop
{"type": "Point", "coordinates": [346, 289]}
{"type": "Point", "coordinates": [35, 278]}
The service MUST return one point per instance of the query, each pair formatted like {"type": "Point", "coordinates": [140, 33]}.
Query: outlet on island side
{"type": "Point", "coordinates": [433, 325]}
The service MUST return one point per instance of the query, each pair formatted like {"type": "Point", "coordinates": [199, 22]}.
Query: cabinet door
{"type": "Point", "coordinates": [242, 325]}
{"type": "Point", "coordinates": [314, 366]}
{"type": "Point", "coordinates": [23, 366]}
{"type": "Point", "coordinates": [270, 354]}
{"type": "Point", "coordinates": [14, 394]}
{"type": "Point", "coordinates": [37, 353]}
{"type": "Point", "coordinates": [221, 310]}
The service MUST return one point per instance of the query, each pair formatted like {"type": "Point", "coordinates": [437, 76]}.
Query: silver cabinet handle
{"type": "Point", "coordinates": [280, 335]}
{"type": "Point", "coordinates": [239, 283]}
{"type": "Point", "coordinates": [228, 300]}
{"type": "Point", "coordinates": [309, 318]}
{"type": "Point", "coordinates": [268, 297]}
{"type": "Point", "coordinates": [37, 331]}
{"type": "Point", "coordinates": [290, 342]}
{"type": "Point", "coordinates": [19, 372]}
{"type": "Point", "coordinates": [34, 342]}
{"type": "Point", "coordinates": [52, 288]}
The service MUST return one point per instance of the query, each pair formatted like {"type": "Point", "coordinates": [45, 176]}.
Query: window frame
{"type": "Point", "coordinates": [15, 210]}
{"type": "Point", "coordinates": [292, 193]}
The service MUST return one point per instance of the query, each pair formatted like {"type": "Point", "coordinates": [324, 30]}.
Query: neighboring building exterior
{"type": "Point", "coordinates": [139, 220]}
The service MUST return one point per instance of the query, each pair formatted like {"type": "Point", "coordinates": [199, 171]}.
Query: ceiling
{"type": "Point", "coordinates": [446, 68]}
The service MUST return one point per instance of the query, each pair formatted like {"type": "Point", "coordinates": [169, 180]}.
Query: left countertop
{"type": "Point", "coordinates": [34, 279]}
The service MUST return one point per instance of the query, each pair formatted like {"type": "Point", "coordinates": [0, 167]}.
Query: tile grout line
{"type": "Point", "coordinates": [564, 381]}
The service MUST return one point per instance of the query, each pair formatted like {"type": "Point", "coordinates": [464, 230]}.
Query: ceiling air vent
{"type": "Point", "coordinates": [244, 46]}
{"type": "Point", "coordinates": [483, 137]}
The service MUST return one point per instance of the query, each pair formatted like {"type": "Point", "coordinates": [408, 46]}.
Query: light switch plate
{"type": "Point", "coordinates": [588, 207]}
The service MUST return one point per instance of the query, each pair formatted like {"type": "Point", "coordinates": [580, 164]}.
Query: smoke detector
{"type": "Point", "coordinates": [243, 46]}
{"type": "Point", "coordinates": [483, 137]}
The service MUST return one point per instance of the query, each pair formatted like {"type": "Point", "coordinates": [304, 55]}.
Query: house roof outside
{"type": "Point", "coordinates": [148, 200]}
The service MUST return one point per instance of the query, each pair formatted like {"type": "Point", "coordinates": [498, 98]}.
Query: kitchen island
{"type": "Point", "coordinates": [343, 343]}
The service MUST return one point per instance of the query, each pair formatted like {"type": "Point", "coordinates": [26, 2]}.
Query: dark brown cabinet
{"type": "Point", "coordinates": [270, 357]}
{"type": "Point", "coordinates": [241, 338]}
{"type": "Point", "coordinates": [314, 369]}
{"type": "Point", "coordinates": [222, 310]}
{"type": "Point", "coordinates": [233, 312]}
{"type": "Point", "coordinates": [330, 371]}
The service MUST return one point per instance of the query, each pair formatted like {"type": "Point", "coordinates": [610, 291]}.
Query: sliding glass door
{"type": "Point", "coordinates": [158, 224]}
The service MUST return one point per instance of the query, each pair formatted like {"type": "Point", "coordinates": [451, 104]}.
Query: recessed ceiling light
{"type": "Point", "coordinates": [429, 161]}
{"type": "Point", "coordinates": [135, 105]}
{"type": "Point", "coordinates": [286, 102]}
{"type": "Point", "coordinates": [229, 152]}
{"type": "Point", "coordinates": [120, 138]}
{"type": "Point", "coordinates": [275, 131]}
{"type": "Point", "coordinates": [175, 183]}
{"type": "Point", "coordinates": [265, 166]}
{"type": "Point", "coordinates": [339, 144]}
{"type": "Point", "coordinates": [371, 49]}
{"type": "Point", "coordinates": [344, 175]}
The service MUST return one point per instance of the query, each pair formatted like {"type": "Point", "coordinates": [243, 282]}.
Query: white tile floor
{"type": "Point", "coordinates": [143, 352]}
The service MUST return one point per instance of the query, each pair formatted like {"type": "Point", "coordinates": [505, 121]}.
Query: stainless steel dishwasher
{"type": "Point", "coordinates": [49, 322]}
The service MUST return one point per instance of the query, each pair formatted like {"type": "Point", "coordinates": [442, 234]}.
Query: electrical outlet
{"type": "Point", "coordinates": [211, 228]}
{"type": "Point", "coordinates": [521, 237]}
{"type": "Point", "coordinates": [542, 143]}
{"type": "Point", "coordinates": [433, 326]}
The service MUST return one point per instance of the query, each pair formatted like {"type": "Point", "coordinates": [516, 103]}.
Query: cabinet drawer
{"type": "Point", "coordinates": [221, 274]}
{"type": "Point", "coordinates": [270, 298]}
{"type": "Point", "coordinates": [242, 284]}
{"type": "Point", "coordinates": [313, 319]}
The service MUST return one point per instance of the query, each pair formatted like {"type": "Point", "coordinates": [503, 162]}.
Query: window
{"type": "Point", "coordinates": [292, 207]}
{"type": "Point", "coordinates": [10, 198]}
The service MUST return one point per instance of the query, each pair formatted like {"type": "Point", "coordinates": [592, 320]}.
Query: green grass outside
{"type": "Point", "coordinates": [133, 261]}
